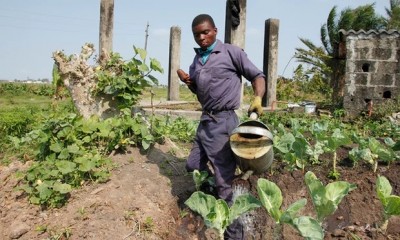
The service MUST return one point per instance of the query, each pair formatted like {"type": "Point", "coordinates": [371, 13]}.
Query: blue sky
{"type": "Point", "coordinates": [32, 29]}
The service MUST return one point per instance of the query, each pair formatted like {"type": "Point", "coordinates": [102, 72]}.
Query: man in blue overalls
{"type": "Point", "coordinates": [215, 77]}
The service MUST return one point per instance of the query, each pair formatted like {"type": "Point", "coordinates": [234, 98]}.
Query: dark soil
{"type": "Point", "coordinates": [144, 200]}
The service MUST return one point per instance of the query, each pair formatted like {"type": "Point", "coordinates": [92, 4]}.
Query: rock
{"type": "Point", "coordinates": [18, 229]}
{"type": "Point", "coordinates": [338, 233]}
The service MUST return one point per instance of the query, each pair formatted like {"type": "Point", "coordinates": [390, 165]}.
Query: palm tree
{"type": "Point", "coordinates": [327, 59]}
{"type": "Point", "coordinates": [393, 21]}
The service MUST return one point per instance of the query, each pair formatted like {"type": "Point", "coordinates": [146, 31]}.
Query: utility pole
{"type": "Point", "coordinates": [146, 37]}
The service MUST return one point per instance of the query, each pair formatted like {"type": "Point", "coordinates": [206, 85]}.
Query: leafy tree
{"type": "Point", "coordinates": [327, 60]}
{"type": "Point", "coordinates": [393, 20]}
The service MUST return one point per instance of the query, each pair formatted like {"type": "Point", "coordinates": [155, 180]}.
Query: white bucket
{"type": "Point", "coordinates": [310, 108]}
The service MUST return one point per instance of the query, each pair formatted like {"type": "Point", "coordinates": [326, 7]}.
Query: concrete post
{"type": "Point", "coordinates": [174, 63]}
{"type": "Point", "coordinates": [270, 61]}
{"type": "Point", "coordinates": [235, 26]}
{"type": "Point", "coordinates": [106, 28]}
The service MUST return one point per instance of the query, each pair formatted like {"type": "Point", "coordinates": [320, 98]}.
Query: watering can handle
{"type": "Point", "coordinates": [253, 116]}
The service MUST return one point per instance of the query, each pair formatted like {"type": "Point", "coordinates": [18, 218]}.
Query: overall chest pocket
{"type": "Point", "coordinates": [214, 81]}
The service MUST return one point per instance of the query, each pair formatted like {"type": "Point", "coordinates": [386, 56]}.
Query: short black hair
{"type": "Point", "coordinates": [203, 18]}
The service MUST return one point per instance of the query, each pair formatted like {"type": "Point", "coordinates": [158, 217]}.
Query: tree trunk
{"type": "Point", "coordinates": [79, 78]}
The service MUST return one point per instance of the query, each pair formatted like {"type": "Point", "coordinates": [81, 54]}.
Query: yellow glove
{"type": "Point", "coordinates": [256, 106]}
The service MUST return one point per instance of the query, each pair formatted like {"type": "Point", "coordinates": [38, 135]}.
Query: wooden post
{"type": "Point", "coordinates": [174, 63]}
{"type": "Point", "coordinates": [270, 61]}
{"type": "Point", "coordinates": [106, 28]}
{"type": "Point", "coordinates": [235, 26]}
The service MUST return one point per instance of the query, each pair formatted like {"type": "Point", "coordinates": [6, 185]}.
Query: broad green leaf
{"type": "Point", "coordinates": [309, 228]}
{"type": "Point", "coordinates": [284, 143]}
{"type": "Point", "coordinates": [336, 191]}
{"type": "Point", "coordinates": [62, 187]}
{"type": "Point", "coordinates": [367, 155]}
{"type": "Point", "coordinates": [242, 204]}
{"type": "Point", "coordinates": [64, 154]}
{"type": "Point", "coordinates": [87, 165]}
{"type": "Point", "coordinates": [221, 217]}
{"type": "Point", "coordinates": [142, 53]}
{"type": "Point", "coordinates": [270, 197]}
{"type": "Point", "coordinates": [65, 167]}
{"type": "Point", "coordinates": [156, 65]}
{"type": "Point", "coordinates": [383, 189]}
{"type": "Point", "coordinates": [199, 178]}
{"type": "Point", "coordinates": [44, 191]}
{"type": "Point", "coordinates": [56, 147]}
{"type": "Point", "coordinates": [201, 203]}
{"type": "Point", "coordinates": [326, 199]}
{"type": "Point", "coordinates": [392, 205]}
{"type": "Point", "coordinates": [73, 149]}
{"type": "Point", "coordinates": [291, 212]}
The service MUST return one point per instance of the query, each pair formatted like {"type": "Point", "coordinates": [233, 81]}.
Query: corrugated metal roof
{"type": "Point", "coordinates": [370, 32]}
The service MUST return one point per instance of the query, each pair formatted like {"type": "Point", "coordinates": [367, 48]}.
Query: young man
{"type": "Point", "coordinates": [215, 77]}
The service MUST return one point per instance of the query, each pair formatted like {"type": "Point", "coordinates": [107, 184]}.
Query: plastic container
{"type": "Point", "coordinates": [310, 108]}
{"type": "Point", "coordinates": [252, 145]}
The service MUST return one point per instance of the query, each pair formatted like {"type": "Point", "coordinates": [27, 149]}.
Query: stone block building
{"type": "Point", "coordinates": [372, 69]}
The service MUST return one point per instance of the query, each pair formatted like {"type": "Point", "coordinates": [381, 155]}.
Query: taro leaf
{"type": "Point", "coordinates": [393, 205]}
{"type": "Point", "coordinates": [201, 203]}
{"type": "Point", "coordinates": [308, 228]}
{"type": "Point", "coordinates": [291, 212]}
{"type": "Point", "coordinates": [65, 167]}
{"type": "Point", "coordinates": [271, 197]}
{"type": "Point", "coordinates": [242, 204]}
{"type": "Point", "coordinates": [62, 187]}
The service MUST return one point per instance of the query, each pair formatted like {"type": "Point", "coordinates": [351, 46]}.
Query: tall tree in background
{"type": "Point", "coordinates": [393, 20]}
{"type": "Point", "coordinates": [327, 60]}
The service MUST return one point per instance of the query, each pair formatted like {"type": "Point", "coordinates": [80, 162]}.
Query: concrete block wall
{"type": "Point", "coordinates": [372, 69]}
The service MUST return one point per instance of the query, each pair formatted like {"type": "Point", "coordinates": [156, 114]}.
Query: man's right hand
{"type": "Point", "coordinates": [184, 77]}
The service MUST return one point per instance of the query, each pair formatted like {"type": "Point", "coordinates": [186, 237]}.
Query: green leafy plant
{"type": "Point", "coordinates": [371, 151]}
{"type": "Point", "coordinates": [125, 81]}
{"type": "Point", "coordinates": [390, 203]}
{"type": "Point", "coordinates": [200, 177]}
{"type": "Point", "coordinates": [216, 213]}
{"type": "Point", "coordinates": [271, 198]}
{"type": "Point", "coordinates": [332, 143]}
{"type": "Point", "coordinates": [326, 198]}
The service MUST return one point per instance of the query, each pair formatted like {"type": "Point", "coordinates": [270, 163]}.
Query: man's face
{"type": "Point", "coordinates": [204, 34]}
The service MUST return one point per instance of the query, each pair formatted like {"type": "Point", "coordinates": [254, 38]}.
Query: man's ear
{"type": "Point", "coordinates": [216, 30]}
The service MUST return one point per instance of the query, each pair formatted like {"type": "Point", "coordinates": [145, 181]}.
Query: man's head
{"type": "Point", "coordinates": [204, 30]}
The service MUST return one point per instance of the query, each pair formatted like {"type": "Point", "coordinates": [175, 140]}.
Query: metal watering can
{"type": "Point", "coordinates": [252, 145]}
